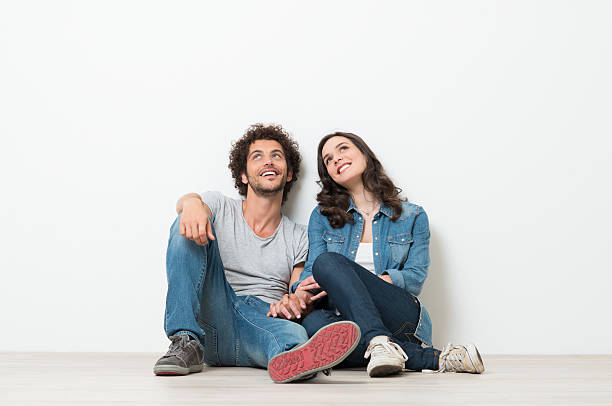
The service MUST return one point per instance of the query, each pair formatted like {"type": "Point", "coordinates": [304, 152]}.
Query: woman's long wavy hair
{"type": "Point", "coordinates": [334, 199]}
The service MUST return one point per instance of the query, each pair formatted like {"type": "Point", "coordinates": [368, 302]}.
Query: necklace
{"type": "Point", "coordinates": [366, 213]}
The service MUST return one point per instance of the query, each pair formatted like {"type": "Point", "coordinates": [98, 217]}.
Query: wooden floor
{"type": "Point", "coordinates": [114, 379]}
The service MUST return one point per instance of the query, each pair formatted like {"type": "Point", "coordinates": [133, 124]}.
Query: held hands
{"type": "Point", "coordinates": [195, 224]}
{"type": "Point", "coordinates": [292, 306]}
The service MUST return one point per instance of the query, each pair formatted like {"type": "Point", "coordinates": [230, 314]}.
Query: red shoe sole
{"type": "Point", "coordinates": [328, 347]}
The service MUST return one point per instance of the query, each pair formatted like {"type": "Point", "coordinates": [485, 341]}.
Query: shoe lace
{"type": "Point", "coordinates": [179, 346]}
{"type": "Point", "coordinates": [326, 372]}
{"type": "Point", "coordinates": [387, 347]}
{"type": "Point", "coordinates": [450, 359]}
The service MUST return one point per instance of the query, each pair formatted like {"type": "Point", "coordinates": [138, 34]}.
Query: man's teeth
{"type": "Point", "coordinates": [268, 173]}
{"type": "Point", "coordinates": [343, 168]}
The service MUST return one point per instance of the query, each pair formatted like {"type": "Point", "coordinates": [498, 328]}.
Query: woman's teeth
{"type": "Point", "coordinates": [343, 168]}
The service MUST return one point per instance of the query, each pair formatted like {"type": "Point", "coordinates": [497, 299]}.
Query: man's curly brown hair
{"type": "Point", "coordinates": [240, 150]}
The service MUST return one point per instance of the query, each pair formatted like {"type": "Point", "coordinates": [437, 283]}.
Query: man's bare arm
{"type": "Point", "coordinates": [195, 218]}
{"type": "Point", "coordinates": [191, 198]}
{"type": "Point", "coordinates": [295, 274]}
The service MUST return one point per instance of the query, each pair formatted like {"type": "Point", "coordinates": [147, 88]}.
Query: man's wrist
{"type": "Point", "coordinates": [193, 200]}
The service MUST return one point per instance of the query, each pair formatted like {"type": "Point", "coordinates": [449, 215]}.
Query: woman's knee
{"type": "Point", "coordinates": [330, 264]}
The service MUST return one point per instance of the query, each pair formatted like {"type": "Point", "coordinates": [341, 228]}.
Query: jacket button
{"type": "Point", "coordinates": [376, 253]}
{"type": "Point", "coordinates": [352, 252]}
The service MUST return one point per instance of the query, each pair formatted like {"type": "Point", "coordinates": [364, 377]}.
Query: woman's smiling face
{"type": "Point", "coordinates": [345, 163]}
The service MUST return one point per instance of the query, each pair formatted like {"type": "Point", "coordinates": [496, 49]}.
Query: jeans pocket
{"type": "Point", "coordinates": [406, 333]}
{"type": "Point", "coordinates": [211, 354]}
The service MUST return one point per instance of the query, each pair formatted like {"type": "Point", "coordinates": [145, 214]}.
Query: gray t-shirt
{"type": "Point", "coordinates": [253, 265]}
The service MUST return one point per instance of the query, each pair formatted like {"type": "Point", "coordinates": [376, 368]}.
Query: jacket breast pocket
{"type": "Point", "coordinates": [399, 246]}
{"type": "Point", "coordinates": [334, 241]}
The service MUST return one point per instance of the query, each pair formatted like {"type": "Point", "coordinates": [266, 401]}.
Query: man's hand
{"type": "Point", "coordinates": [288, 307]}
{"type": "Point", "coordinates": [386, 278]}
{"type": "Point", "coordinates": [292, 306]}
{"type": "Point", "coordinates": [195, 224]}
{"type": "Point", "coordinates": [310, 284]}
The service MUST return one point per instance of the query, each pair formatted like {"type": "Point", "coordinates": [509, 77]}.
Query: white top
{"type": "Point", "coordinates": [364, 256]}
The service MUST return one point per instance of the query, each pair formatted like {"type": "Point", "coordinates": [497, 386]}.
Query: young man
{"type": "Point", "coordinates": [222, 276]}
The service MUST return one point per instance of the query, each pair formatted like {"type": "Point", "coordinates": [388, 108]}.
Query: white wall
{"type": "Point", "coordinates": [494, 116]}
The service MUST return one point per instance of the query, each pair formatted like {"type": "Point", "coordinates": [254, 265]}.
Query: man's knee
{"type": "Point", "coordinates": [175, 229]}
{"type": "Point", "coordinates": [184, 256]}
{"type": "Point", "coordinates": [177, 242]}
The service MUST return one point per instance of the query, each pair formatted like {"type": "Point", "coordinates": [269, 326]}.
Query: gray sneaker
{"type": "Point", "coordinates": [183, 357]}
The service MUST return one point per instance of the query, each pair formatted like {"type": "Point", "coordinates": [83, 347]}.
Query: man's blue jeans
{"type": "Point", "coordinates": [232, 330]}
{"type": "Point", "coordinates": [377, 307]}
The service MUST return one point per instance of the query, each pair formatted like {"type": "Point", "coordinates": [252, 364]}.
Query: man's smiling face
{"type": "Point", "coordinates": [266, 168]}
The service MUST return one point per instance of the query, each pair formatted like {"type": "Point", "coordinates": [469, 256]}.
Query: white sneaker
{"type": "Point", "coordinates": [386, 357]}
{"type": "Point", "coordinates": [461, 358]}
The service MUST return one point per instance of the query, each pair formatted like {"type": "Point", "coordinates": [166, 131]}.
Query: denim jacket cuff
{"type": "Point", "coordinates": [293, 287]}
{"type": "Point", "coordinates": [396, 277]}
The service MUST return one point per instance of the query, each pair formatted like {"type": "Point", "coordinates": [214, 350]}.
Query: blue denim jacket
{"type": "Point", "coordinates": [401, 249]}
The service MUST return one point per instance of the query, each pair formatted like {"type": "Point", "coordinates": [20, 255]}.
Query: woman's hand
{"type": "Point", "coordinates": [310, 284]}
{"type": "Point", "coordinates": [386, 278]}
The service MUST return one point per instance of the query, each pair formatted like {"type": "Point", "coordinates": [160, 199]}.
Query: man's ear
{"type": "Point", "coordinates": [245, 180]}
{"type": "Point", "coordinates": [290, 175]}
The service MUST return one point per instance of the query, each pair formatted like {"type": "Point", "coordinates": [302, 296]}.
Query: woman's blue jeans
{"type": "Point", "coordinates": [232, 330]}
{"type": "Point", "coordinates": [378, 307]}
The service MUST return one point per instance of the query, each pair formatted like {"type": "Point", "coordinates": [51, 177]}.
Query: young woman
{"type": "Point", "coordinates": [368, 259]}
